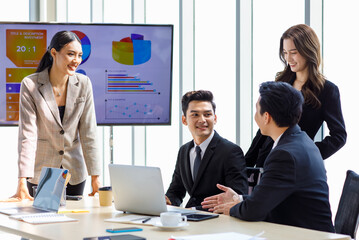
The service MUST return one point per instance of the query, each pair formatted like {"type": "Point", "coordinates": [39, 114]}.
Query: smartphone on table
{"type": "Point", "coordinates": [200, 217]}
{"type": "Point", "coordinates": [127, 229]}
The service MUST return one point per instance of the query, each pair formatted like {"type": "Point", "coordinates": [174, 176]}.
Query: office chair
{"type": "Point", "coordinates": [346, 219]}
{"type": "Point", "coordinates": [254, 175]}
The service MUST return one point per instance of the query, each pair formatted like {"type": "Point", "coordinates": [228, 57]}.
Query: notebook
{"type": "Point", "coordinates": [139, 189]}
{"type": "Point", "coordinates": [43, 217]}
{"type": "Point", "coordinates": [48, 194]}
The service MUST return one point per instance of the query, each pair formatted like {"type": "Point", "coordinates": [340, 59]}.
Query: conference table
{"type": "Point", "coordinates": [92, 224]}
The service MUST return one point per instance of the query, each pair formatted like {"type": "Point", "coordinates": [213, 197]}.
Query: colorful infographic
{"type": "Point", "coordinates": [129, 66]}
{"type": "Point", "coordinates": [132, 50]}
{"type": "Point", "coordinates": [13, 83]}
{"type": "Point", "coordinates": [25, 47]}
{"type": "Point", "coordinates": [86, 45]}
{"type": "Point", "coordinates": [120, 81]}
{"type": "Point", "coordinates": [120, 108]}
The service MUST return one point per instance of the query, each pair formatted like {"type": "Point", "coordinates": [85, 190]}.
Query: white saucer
{"type": "Point", "coordinates": [179, 226]}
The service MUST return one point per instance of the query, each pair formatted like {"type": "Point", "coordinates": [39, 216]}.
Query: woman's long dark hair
{"type": "Point", "coordinates": [308, 45]}
{"type": "Point", "coordinates": [58, 41]}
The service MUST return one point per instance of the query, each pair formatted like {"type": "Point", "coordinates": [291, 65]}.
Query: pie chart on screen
{"type": "Point", "coordinates": [132, 50]}
{"type": "Point", "coordinates": [86, 45]}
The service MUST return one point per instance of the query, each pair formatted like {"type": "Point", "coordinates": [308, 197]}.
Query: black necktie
{"type": "Point", "coordinates": [197, 162]}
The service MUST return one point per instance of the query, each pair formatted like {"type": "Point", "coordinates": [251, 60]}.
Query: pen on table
{"type": "Point", "coordinates": [138, 219]}
{"type": "Point", "coordinates": [146, 220]}
{"type": "Point", "coordinates": [74, 211]}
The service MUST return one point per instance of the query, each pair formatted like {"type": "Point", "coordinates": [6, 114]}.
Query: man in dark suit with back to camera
{"type": "Point", "coordinates": [208, 159]}
{"type": "Point", "coordinates": [293, 188]}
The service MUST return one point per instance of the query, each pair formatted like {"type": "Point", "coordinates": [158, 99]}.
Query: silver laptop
{"type": "Point", "coordinates": [139, 189]}
{"type": "Point", "coordinates": [48, 194]}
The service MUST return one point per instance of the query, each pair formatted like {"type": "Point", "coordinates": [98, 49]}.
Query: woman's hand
{"type": "Point", "coordinates": [95, 183]}
{"type": "Point", "coordinates": [22, 192]}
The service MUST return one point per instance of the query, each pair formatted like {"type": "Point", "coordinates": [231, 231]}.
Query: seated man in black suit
{"type": "Point", "coordinates": [293, 188]}
{"type": "Point", "coordinates": [208, 159]}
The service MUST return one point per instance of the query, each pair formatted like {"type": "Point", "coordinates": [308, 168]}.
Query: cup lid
{"type": "Point", "coordinates": [108, 188]}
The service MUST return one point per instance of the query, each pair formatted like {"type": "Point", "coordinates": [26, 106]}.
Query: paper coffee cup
{"type": "Point", "coordinates": [105, 196]}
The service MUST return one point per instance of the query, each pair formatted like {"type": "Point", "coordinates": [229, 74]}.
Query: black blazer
{"type": "Point", "coordinates": [223, 163]}
{"type": "Point", "coordinates": [310, 122]}
{"type": "Point", "coordinates": [293, 189]}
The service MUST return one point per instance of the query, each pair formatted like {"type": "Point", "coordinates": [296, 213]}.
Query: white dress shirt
{"type": "Point", "coordinates": [276, 141]}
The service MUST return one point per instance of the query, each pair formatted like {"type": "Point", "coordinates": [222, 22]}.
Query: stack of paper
{"type": "Point", "coordinates": [216, 236]}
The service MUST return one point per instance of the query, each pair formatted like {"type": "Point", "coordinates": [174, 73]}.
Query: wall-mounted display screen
{"type": "Point", "coordinates": [130, 67]}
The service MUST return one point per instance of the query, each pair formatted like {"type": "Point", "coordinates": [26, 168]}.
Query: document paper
{"type": "Point", "coordinates": [216, 236]}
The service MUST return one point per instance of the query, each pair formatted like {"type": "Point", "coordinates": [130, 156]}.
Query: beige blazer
{"type": "Point", "coordinates": [45, 141]}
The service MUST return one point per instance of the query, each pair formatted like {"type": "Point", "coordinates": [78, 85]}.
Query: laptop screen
{"type": "Point", "coordinates": [50, 188]}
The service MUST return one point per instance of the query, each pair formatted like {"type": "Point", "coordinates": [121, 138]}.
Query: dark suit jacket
{"type": "Point", "coordinates": [310, 122]}
{"type": "Point", "coordinates": [223, 163]}
{"type": "Point", "coordinates": [293, 189]}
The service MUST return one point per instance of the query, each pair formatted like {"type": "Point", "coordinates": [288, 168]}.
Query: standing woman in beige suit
{"type": "Point", "coordinates": [57, 125]}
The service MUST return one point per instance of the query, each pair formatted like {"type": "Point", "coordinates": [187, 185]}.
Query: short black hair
{"type": "Point", "coordinates": [282, 101]}
{"type": "Point", "coordinates": [200, 95]}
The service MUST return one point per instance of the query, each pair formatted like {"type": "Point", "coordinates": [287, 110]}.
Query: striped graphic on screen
{"type": "Point", "coordinates": [120, 82]}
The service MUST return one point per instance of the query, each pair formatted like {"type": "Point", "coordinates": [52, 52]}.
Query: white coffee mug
{"type": "Point", "coordinates": [172, 219]}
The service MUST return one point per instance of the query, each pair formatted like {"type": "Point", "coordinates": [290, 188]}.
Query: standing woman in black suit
{"type": "Point", "coordinates": [300, 52]}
